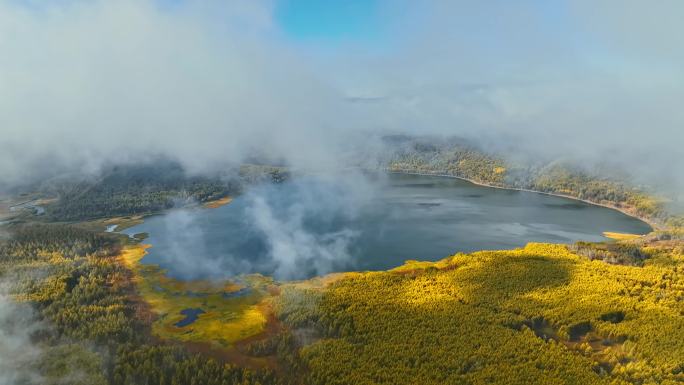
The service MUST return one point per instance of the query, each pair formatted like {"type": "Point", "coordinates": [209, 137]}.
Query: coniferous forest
{"type": "Point", "coordinates": [586, 313]}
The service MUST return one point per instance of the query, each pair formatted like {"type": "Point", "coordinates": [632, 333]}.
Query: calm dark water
{"type": "Point", "coordinates": [191, 316]}
{"type": "Point", "coordinates": [308, 226]}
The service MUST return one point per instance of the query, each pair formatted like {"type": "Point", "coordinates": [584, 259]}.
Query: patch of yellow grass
{"type": "Point", "coordinates": [620, 236]}
{"type": "Point", "coordinates": [121, 223]}
{"type": "Point", "coordinates": [322, 281]}
{"type": "Point", "coordinates": [221, 326]}
{"type": "Point", "coordinates": [131, 256]}
{"type": "Point", "coordinates": [218, 203]}
{"type": "Point", "coordinates": [225, 321]}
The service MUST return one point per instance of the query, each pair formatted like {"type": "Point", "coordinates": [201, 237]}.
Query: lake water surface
{"type": "Point", "coordinates": [308, 227]}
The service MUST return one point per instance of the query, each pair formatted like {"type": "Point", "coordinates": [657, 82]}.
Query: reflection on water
{"type": "Point", "coordinates": [310, 226]}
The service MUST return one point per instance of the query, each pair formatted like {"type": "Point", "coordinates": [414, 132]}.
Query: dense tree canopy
{"type": "Point", "coordinates": [590, 313]}
{"type": "Point", "coordinates": [92, 323]}
{"type": "Point", "coordinates": [538, 315]}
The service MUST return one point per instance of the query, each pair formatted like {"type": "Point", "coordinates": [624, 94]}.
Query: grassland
{"type": "Point", "coordinates": [218, 202]}
{"type": "Point", "coordinates": [232, 311]}
{"type": "Point", "coordinates": [620, 236]}
{"type": "Point", "coordinates": [121, 223]}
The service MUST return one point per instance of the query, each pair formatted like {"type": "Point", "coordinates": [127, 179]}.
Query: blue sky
{"type": "Point", "coordinates": [348, 20]}
{"type": "Point", "coordinates": [369, 20]}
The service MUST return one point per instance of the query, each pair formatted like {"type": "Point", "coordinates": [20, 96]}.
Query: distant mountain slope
{"type": "Point", "coordinates": [461, 159]}
{"type": "Point", "coordinates": [133, 189]}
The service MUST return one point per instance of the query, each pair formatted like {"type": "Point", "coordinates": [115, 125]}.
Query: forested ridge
{"type": "Point", "coordinates": [465, 161]}
{"type": "Point", "coordinates": [130, 190]}
{"type": "Point", "coordinates": [147, 188]}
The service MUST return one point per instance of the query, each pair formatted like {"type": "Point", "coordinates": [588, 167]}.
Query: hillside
{"type": "Point", "coordinates": [538, 315]}
{"type": "Point", "coordinates": [460, 159]}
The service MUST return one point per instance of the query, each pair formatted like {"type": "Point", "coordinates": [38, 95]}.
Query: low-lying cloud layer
{"type": "Point", "coordinates": [210, 83]}
{"type": "Point", "coordinates": [294, 250]}
{"type": "Point", "coordinates": [85, 82]}
{"type": "Point", "coordinates": [17, 352]}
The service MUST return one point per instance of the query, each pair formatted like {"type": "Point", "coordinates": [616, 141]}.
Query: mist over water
{"type": "Point", "coordinates": [316, 225]}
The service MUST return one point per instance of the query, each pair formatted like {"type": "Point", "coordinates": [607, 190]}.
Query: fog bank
{"type": "Point", "coordinates": [83, 83]}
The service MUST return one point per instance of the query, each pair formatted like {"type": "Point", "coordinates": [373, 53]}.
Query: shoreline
{"type": "Point", "coordinates": [654, 226]}
{"type": "Point", "coordinates": [126, 221]}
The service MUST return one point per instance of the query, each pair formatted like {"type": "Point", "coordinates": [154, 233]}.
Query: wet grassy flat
{"type": "Point", "coordinates": [230, 311]}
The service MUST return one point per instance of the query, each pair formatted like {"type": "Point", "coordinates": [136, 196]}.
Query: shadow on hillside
{"type": "Point", "coordinates": [496, 278]}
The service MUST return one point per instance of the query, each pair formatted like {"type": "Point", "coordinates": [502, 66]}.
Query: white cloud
{"type": "Point", "coordinates": [84, 82]}
{"type": "Point", "coordinates": [17, 353]}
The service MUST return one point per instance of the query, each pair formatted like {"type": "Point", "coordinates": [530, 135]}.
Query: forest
{"type": "Point", "coordinates": [588, 313]}
{"type": "Point", "coordinates": [537, 315]}
{"type": "Point", "coordinates": [147, 188]}
{"type": "Point", "coordinates": [132, 189]}
{"type": "Point", "coordinates": [92, 328]}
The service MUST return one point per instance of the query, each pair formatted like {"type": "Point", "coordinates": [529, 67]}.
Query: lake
{"type": "Point", "coordinates": [315, 225]}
